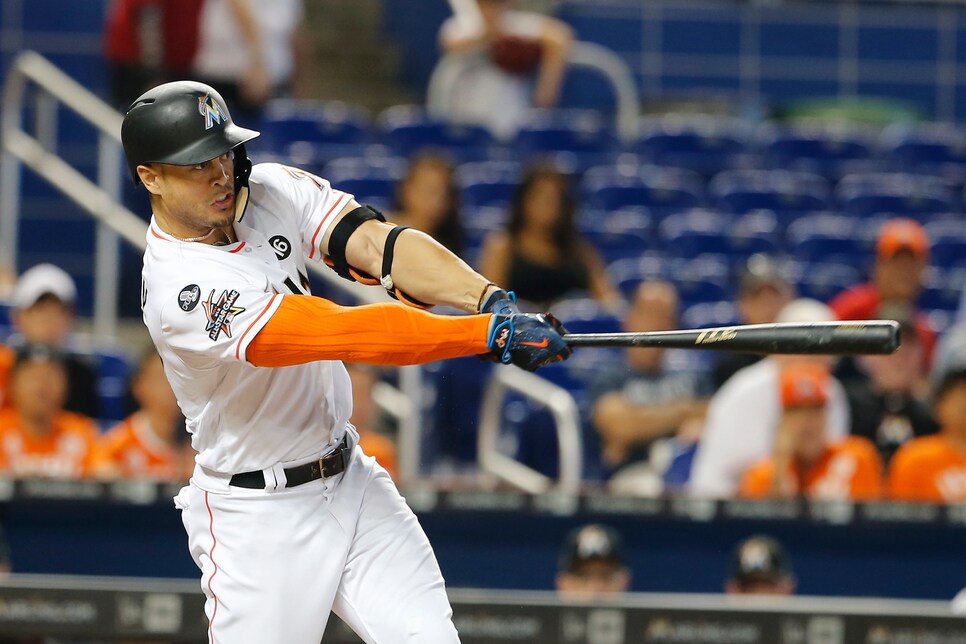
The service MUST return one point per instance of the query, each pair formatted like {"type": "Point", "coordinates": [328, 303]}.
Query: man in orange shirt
{"type": "Point", "coordinates": [37, 437]}
{"type": "Point", "coordinates": [804, 463]}
{"type": "Point", "coordinates": [933, 468]}
{"type": "Point", "coordinates": [147, 443]}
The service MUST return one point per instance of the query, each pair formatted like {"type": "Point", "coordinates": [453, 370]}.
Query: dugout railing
{"type": "Point", "coordinates": [37, 87]}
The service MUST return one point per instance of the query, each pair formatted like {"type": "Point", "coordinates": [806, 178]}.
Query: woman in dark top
{"type": "Point", "coordinates": [541, 256]}
{"type": "Point", "coordinates": [427, 199]}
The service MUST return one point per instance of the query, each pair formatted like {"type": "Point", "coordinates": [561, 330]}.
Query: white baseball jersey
{"type": "Point", "coordinates": [204, 304]}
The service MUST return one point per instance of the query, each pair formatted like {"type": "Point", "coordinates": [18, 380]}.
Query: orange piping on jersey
{"type": "Point", "coordinates": [240, 246]}
{"type": "Point", "coordinates": [324, 217]}
{"type": "Point", "coordinates": [241, 338]}
{"type": "Point", "coordinates": [155, 233]}
{"type": "Point", "coordinates": [306, 328]}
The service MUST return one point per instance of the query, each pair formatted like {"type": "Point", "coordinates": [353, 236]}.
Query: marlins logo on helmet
{"type": "Point", "coordinates": [208, 108]}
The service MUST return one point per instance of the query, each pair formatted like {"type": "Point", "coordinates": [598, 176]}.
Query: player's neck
{"type": "Point", "coordinates": [214, 235]}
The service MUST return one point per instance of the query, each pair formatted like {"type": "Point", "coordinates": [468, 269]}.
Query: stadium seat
{"type": "Point", "coordinates": [626, 274]}
{"type": "Point", "coordinates": [709, 314]}
{"type": "Point", "coordinates": [577, 131]}
{"type": "Point", "coordinates": [113, 372]}
{"type": "Point", "coordinates": [702, 143]}
{"type": "Point", "coordinates": [488, 183]}
{"type": "Point", "coordinates": [701, 279]}
{"type": "Point", "coordinates": [942, 288]}
{"type": "Point", "coordinates": [788, 194]}
{"type": "Point", "coordinates": [407, 128]}
{"type": "Point", "coordinates": [908, 195]}
{"type": "Point", "coordinates": [371, 179]}
{"type": "Point", "coordinates": [586, 315]}
{"type": "Point", "coordinates": [818, 148]}
{"type": "Point", "coordinates": [312, 132]}
{"type": "Point", "coordinates": [622, 233]}
{"type": "Point", "coordinates": [933, 148]}
{"type": "Point", "coordinates": [480, 222]}
{"type": "Point", "coordinates": [829, 237]}
{"type": "Point", "coordinates": [947, 242]}
{"type": "Point", "coordinates": [695, 232]}
{"type": "Point", "coordinates": [825, 280]}
{"type": "Point", "coordinates": [662, 190]}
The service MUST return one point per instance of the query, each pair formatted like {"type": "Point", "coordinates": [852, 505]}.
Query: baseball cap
{"type": "Point", "coordinates": [804, 384]}
{"type": "Point", "coordinates": [759, 271]}
{"type": "Point", "coordinates": [593, 542]}
{"type": "Point", "coordinates": [902, 234]}
{"type": "Point", "coordinates": [43, 279]}
{"type": "Point", "coordinates": [759, 558]}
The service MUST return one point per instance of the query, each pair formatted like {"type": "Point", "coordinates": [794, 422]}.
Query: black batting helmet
{"type": "Point", "coordinates": [184, 123]}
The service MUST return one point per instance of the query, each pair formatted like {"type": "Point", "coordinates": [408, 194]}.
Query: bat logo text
{"type": "Point", "coordinates": [716, 335]}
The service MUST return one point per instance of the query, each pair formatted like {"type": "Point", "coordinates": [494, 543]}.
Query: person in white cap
{"type": "Point", "coordinates": [43, 313]}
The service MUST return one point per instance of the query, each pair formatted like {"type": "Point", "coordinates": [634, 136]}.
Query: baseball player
{"type": "Point", "coordinates": [286, 517]}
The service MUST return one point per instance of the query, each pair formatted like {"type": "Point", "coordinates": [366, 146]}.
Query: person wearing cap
{"type": "Point", "coordinates": [38, 438]}
{"type": "Point", "coordinates": [744, 414]}
{"type": "Point", "coordinates": [901, 257]}
{"type": "Point", "coordinates": [888, 403]}
{"type": "Point", "coordinates": [648, 400]}
{"type": "Point", "coordinates": [763, 290]}
{"type": "Point", "coordinates": [759, 566]}
{"type": "Point", "coordinates": [43, 313]}
{"type": "Point", "coordinates": [592, 564]}
{"type": "Point", "coordinates": [804, 462]}
{"type": "Point", "coordinates": [933, 468]}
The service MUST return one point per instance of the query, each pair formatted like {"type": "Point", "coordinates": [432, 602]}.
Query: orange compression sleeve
{"type": "Point", "coordinates": [306, 328]}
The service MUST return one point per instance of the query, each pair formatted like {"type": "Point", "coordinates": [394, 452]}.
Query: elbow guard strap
{"type": "Point", "coordinates": [340, 237]}
{"type": "Point", "coordinates": [386, 280]}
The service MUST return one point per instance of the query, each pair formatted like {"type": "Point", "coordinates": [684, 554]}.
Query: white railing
{"type": "Point", "coordinates": [102, 201]}
{"type": "Point", "coordinates": [561, 406]}
{"type": "Point", "coordinates": [445, 77]}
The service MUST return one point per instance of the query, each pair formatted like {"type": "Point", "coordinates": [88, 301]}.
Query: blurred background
{"type": "Point", "coordinates": [627, 164]}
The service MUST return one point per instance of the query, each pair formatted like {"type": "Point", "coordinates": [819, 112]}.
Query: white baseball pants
{"type": "Point", "coordinates": [274, 563]}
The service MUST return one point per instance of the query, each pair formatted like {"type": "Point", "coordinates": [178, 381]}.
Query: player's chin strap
{"type": "Point", "coordinates": [243, 170]}
{"type": "Point", "coordinates": [336, 257]}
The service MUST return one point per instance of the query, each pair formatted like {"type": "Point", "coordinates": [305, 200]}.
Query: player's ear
{"type": "Point", "coordinates": [148, 174]}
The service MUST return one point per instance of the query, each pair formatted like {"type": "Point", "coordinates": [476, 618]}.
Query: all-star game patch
{"type": "Point", "coordinates": [189, 297]}
{"type": "Point", "coordinates": [220, 313]}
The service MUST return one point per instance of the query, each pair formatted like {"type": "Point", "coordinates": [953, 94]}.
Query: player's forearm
{"type": "Point", "coordinates": [305, 328]}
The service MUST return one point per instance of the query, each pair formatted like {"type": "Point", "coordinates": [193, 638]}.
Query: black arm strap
{"type": "Point", "coordinates": [386, 279]}
{"type": "Point", "coordinates": [340, 237]}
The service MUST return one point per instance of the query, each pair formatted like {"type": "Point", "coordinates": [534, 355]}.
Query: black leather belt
{"type": "Point", "coordinates": [329, 465]}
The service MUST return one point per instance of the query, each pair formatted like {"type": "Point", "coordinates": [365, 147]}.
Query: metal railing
{"type": "Point", "coordinates": [592, 56]}
{"type": "Point", "coordinates": [561, 406]}
{"type": "Point", "coordinates": [113, 221]}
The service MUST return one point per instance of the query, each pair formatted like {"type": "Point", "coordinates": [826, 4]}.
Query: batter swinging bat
{"type": "Point", "coordinates": [823, 338]}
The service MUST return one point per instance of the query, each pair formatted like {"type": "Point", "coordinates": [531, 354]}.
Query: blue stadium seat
{"type": "Point", "coordinates": [488, 183]}
{"type": "Point", "coordinates": [908, 195]}
{"type": "Point", "coordinates": [829, 237]}
{"type": "Point", "coordinates": [622, 233]}
{"type": "Point", "coordinates": [586, 315]}
{"type": "Point", "coordinates": [577, 131]}
{"type": "Point", "coordinates": [709, 314]}
{"type": "Point", "coordinates": [626, 274]}
{"type": "Point", "coordinates": [695, 232]}
{"type": "Point", "coordinates": [371, 179]}
{"type": "Point", "coordinates": [947, 241]}
{"type": "Point", "coordinates": [933, 148]}
{"type": "Point", "coordinates": [942, 288]}
{"type": "Point", "coordinates": [480, 222]}
{"type": "Point", "coordinates": [818, 148]}
{"type": "Point", "coordinates": [407, 128]}
{"type": "Point", "coordinates": [701, 279]}
{"type": "Point", "coordinates": [113, 373]}
{"type": "Point", "coordinates": [702, 143]}
{"type": "Point", "coordinates": [662, 190]}
{"type": "Point", "coordinates": [788, 194]}
{"type": "Point", "coordinates": [824, 280]}
{"type": "Point", "coordinates": [312, 132]}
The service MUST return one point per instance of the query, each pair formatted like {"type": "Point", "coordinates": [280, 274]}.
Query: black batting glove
{"type": "Point", "coordinates": [528, 340]}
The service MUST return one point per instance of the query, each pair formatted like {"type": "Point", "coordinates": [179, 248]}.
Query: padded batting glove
{"type": "Point", "coordinates": [501, 303]}
{"type": "Point", "coordinates": [528, 340]}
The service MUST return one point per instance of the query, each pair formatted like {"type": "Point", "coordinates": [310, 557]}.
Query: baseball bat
{"type": "Point", "coordinates": [822, 338]}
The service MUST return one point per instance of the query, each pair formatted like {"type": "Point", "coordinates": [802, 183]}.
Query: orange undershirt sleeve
{"type": "Point", "coordinates": [306, 328]}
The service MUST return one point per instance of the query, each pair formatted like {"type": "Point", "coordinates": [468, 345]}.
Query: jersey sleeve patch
{"type": "Point", "coordinates": [220, 311]}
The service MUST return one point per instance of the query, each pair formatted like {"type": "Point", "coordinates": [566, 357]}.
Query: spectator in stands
{"type": "Point", "coordinates": [744, 414]}
{"type": "Point", "coordinates": [513, 47]}
{"type": "Point", "coordinates": [804, 462]}
{"type": "Point", "coordinates": [251, 51]}
{"type": "Point", "coordinates": [759, 566]}
{"type": "Point", "coordinates": [38, 438]}
{"type": "Point", "coordinates": [541, 256]}
{"type": "Point", "coordinates": [763, 291]}
{"type": "Point", "coordinates": [365, 418]}
{"type": "Point", "coordinates": [152, 442]}
{"type": "Point", "coordinates": [902, 254]}
{"type": "Point", "coordinates": [646, 400]}
{"type": "Point", "coordinates": [887, 405]}
{"type": "Point", "coordinates": [147, 42]}
{"type": "Point", "coordinates": [933, 468]}
{"type": "Point", "coordinates": [427, 199]}
{"type": "Point", "coordinates": [5, 565]}
{"type": "Point", "coordinates": [592, 565]}
{"type": "Point", "coordinates": [43, 313]}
